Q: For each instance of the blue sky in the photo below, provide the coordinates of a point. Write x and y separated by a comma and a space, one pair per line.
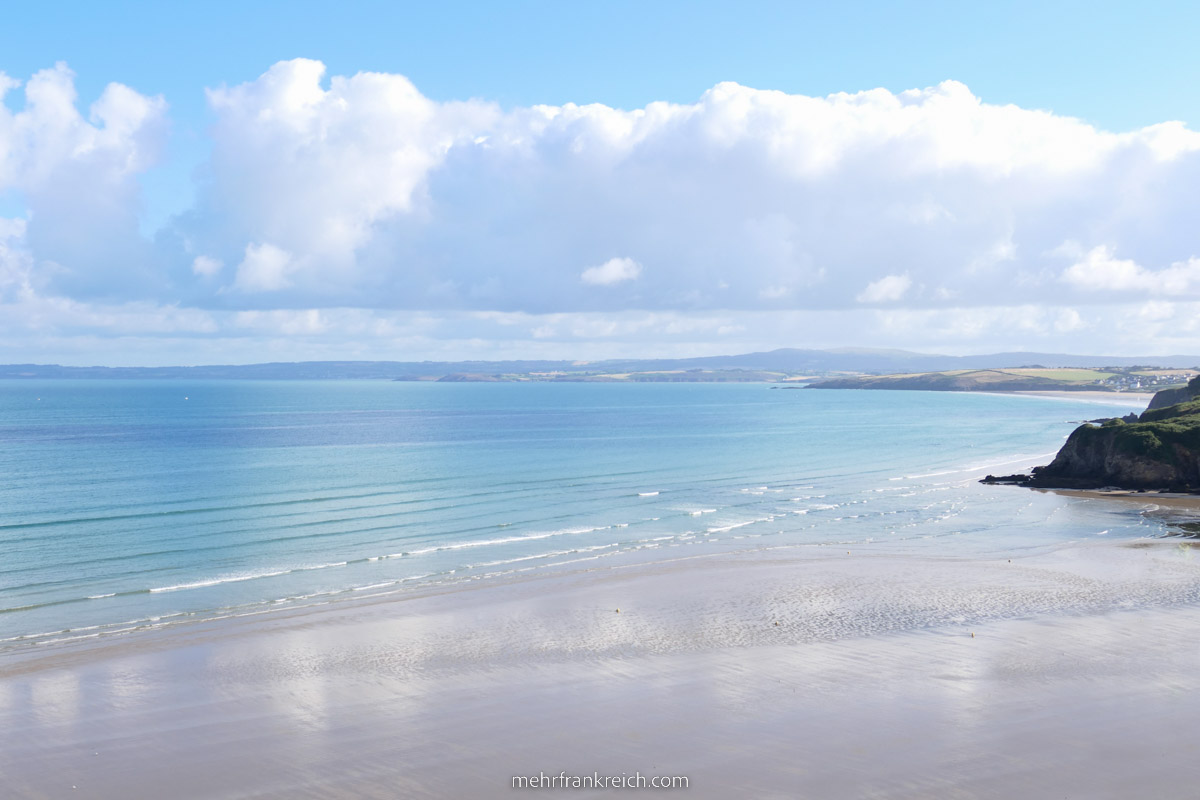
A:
1118, 65
466, 258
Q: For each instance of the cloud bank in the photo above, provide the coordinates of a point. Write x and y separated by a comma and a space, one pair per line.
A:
751, 217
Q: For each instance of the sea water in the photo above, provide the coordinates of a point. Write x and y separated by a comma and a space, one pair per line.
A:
127, 505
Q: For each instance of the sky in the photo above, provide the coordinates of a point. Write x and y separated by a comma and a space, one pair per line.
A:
215, 183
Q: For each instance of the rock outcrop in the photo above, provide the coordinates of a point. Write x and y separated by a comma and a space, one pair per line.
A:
1160, 451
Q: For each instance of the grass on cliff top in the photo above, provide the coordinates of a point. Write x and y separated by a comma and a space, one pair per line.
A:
1182, 413
988, 379
1070, 375
1155, 435
1001, 375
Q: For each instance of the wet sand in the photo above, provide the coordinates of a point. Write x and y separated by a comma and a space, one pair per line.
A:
1064, 673
1190, 502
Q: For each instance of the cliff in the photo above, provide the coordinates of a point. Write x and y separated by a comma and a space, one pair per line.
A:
1170, 397
1161, 450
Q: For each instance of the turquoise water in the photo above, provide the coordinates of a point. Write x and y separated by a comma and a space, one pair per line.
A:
133, 504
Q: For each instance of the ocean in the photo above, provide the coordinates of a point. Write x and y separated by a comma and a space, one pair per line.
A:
132, 505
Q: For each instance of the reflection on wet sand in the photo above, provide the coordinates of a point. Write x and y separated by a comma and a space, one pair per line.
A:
896, 676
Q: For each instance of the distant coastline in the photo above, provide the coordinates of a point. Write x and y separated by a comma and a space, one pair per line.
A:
1113, 379
850, 368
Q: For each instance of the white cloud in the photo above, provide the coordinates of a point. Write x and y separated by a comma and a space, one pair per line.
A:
265, 268
615, 270
1156, 311
306, 322
14, 258
332, 194
1099, 270
121, 137
746, 198
888, 289
78, 178
206, 266
1069, 320
315, 168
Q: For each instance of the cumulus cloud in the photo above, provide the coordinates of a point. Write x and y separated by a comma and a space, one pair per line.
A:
888, 289
1069, 320
1101, 271
615, 270
15, 261
315, 169
78, 178
877, 211
747, 198
206, 266
264, 268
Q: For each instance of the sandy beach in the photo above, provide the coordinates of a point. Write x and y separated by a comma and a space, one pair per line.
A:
794, 672
1132, 399
1169, 500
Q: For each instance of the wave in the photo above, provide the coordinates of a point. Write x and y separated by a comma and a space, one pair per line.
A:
248, 576
734, 526
530, 537
217, 581
1021, 459
550, 554
172, 512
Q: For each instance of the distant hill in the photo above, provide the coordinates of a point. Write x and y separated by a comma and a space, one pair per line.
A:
1022, 379
983, 380
771, 365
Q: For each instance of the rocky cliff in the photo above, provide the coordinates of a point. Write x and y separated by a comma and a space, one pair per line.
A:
1170, 397
1160, 451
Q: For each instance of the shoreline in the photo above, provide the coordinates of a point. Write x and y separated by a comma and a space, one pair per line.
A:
1168, 499
450, 693
1113, 398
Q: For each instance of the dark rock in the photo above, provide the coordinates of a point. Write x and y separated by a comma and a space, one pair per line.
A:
1018, 479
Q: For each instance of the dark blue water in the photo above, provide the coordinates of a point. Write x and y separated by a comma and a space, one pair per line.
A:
131, 504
